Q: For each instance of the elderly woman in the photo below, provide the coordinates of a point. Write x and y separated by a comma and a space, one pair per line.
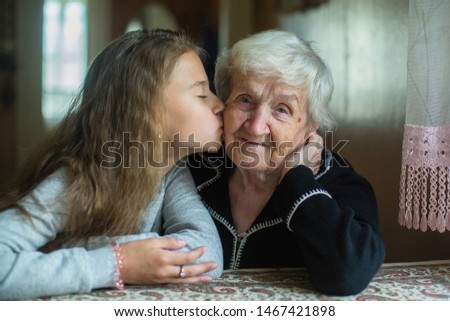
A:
283, 200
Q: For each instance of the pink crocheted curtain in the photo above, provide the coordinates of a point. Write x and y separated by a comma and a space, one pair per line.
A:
425, 172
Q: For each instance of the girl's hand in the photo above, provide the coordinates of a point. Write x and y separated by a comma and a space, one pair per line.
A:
154, 261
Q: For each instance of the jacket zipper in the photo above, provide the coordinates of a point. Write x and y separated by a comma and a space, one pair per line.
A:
238, 250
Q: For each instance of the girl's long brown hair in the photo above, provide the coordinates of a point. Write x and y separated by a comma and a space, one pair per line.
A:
122, 95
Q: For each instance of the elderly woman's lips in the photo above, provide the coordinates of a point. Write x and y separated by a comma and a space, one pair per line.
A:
253, 143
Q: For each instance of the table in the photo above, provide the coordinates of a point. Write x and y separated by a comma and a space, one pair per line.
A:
399, 281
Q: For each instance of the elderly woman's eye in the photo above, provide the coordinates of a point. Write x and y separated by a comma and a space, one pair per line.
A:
282, 110
244, 99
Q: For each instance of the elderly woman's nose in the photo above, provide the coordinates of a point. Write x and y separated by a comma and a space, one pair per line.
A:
257, 123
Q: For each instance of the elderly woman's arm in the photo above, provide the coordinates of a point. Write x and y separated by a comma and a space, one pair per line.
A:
335, 222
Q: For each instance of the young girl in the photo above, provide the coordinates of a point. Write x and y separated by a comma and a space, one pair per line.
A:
107, 183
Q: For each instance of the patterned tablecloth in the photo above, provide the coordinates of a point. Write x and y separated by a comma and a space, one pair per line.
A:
409, 281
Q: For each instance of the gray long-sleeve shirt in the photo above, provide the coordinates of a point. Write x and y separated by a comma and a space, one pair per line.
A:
175, 211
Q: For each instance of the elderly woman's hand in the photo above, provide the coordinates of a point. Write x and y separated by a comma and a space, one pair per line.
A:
309, 155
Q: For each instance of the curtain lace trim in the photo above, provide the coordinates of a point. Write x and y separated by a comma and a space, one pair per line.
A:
425, 179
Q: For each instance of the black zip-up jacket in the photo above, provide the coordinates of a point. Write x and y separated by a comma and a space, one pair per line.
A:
327, 223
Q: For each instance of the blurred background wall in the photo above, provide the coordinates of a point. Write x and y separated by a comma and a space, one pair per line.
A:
364, 43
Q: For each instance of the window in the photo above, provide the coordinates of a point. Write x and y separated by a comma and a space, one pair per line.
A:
64, 55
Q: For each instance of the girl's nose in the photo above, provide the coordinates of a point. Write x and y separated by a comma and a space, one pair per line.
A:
219, 106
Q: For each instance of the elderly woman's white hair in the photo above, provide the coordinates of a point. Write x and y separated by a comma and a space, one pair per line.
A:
283, 55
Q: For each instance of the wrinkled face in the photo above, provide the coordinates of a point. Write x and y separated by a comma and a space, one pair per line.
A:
264, 121
193, 112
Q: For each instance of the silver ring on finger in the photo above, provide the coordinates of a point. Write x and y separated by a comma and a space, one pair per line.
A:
182, 274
